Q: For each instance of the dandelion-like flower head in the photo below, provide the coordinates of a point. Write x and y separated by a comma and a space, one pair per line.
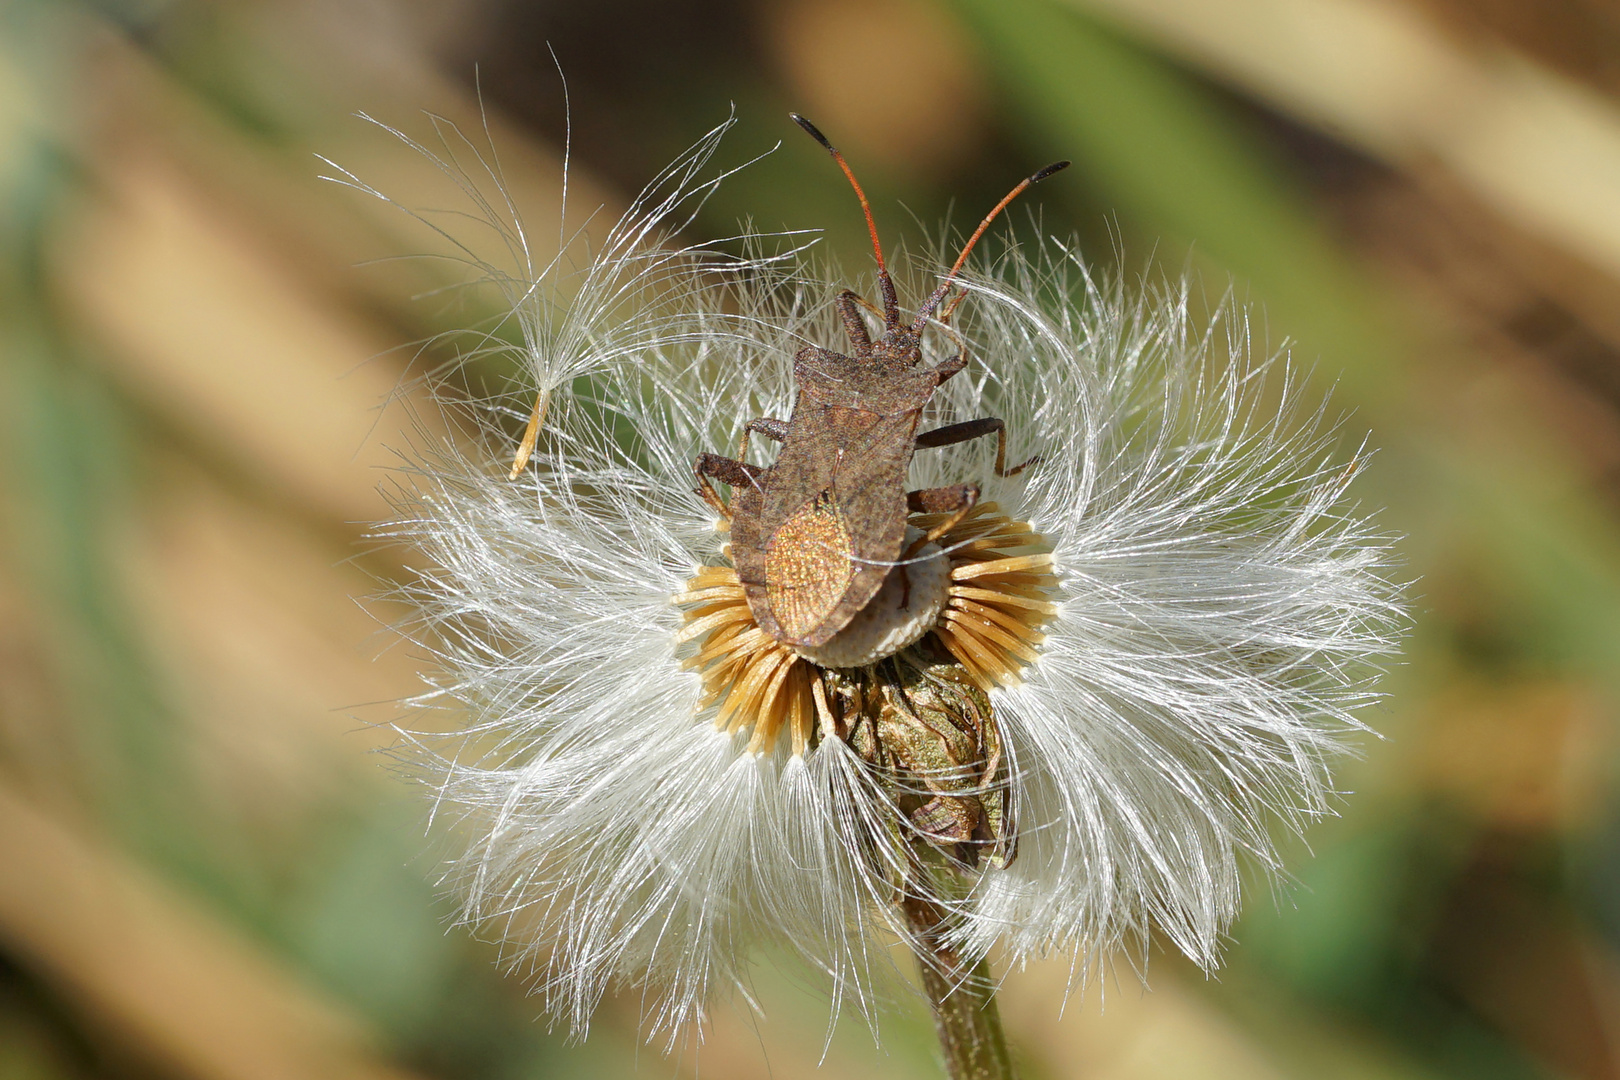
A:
1149, 648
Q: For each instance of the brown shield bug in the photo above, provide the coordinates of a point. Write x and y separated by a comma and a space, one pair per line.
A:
814, 535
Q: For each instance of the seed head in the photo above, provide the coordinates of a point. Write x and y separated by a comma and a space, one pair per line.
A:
1140, 659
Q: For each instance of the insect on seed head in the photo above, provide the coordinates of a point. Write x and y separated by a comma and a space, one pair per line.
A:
817, 533
1198, 663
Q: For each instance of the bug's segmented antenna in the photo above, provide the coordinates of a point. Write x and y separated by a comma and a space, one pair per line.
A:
891, 301
933, 301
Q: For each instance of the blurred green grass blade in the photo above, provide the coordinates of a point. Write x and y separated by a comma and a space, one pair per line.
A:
1177, 164
366, 922
65, 452
71, 455
1158, 149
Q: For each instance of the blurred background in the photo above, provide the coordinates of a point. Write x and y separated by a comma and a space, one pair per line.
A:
205, 869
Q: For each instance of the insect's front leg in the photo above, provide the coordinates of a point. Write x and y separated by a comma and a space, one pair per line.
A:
732, 473
946, 368
951, 434
854, 325
766, 426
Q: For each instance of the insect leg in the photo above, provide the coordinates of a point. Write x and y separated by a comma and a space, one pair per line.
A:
771, 429
946, 368
951, 434
733, 473
867, 304
955, 500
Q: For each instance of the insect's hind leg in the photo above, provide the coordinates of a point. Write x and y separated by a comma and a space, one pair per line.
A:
734, 474
957, 500
951, 434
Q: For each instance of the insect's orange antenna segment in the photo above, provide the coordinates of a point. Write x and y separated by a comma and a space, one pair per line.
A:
891, 302
945, 286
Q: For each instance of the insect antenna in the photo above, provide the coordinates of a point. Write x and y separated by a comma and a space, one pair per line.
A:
945, 286
891, 302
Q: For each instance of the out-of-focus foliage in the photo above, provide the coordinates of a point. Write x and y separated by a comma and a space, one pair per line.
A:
204, 375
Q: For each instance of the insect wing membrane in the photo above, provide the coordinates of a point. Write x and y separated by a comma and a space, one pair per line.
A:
808, 567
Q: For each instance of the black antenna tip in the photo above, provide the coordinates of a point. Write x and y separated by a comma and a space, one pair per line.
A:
814, 132
1055, 167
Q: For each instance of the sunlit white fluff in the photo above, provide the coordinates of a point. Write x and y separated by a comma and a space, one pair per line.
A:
1220, 603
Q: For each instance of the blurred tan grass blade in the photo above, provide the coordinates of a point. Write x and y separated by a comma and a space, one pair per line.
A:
1171, 1032
254, 620
1537, 147
220, 275
194, 994
211, 332
345, 244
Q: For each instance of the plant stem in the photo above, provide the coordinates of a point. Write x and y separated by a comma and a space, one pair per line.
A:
964, 1002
